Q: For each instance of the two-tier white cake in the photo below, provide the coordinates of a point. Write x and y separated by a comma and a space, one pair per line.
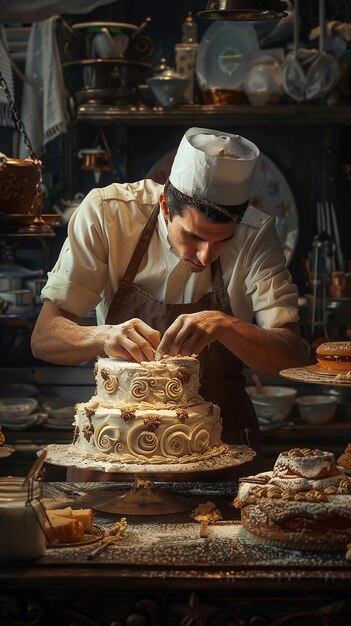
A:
148, 412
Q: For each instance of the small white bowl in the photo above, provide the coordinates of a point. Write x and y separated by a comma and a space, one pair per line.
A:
317, 409
16, 408
274, 405
60, 408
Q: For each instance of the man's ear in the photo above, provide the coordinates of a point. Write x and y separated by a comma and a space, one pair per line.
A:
164, 206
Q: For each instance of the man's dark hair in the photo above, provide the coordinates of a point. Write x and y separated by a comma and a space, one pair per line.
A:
177, 202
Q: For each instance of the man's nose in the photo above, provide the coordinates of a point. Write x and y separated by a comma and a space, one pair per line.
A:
205, 254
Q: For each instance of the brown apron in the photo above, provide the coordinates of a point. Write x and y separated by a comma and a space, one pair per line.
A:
221, 381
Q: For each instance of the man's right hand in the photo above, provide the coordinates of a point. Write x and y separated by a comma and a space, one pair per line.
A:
132, 340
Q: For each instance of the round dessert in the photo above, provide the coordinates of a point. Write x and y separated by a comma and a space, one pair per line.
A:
335, 356
306, 463
344, 460
294, 507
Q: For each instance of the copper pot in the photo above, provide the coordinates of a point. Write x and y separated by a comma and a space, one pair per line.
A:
19, 185
96, 160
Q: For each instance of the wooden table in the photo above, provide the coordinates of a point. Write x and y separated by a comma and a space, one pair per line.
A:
162, 573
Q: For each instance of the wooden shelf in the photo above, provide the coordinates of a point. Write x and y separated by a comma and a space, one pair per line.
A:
233, 115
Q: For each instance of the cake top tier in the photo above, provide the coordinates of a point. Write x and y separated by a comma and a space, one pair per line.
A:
171, 380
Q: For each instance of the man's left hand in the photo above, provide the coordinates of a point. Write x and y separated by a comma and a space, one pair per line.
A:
190, 334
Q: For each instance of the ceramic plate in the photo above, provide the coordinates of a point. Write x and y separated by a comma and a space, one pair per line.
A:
271, 193
306, 375
223, 54
92, 25
96, 535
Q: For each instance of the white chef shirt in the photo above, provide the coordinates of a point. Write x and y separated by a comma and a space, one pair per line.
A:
104, 232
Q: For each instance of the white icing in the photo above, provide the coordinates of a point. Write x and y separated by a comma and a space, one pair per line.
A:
153, 381
149, 412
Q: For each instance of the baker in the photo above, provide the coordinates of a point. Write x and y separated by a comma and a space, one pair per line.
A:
189, 267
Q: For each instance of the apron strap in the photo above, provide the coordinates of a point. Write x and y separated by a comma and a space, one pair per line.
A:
141, 247
216, 274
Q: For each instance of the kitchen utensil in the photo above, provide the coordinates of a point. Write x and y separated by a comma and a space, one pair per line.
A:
259, 387
309, 74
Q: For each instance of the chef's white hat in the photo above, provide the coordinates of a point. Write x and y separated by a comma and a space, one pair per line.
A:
214, 165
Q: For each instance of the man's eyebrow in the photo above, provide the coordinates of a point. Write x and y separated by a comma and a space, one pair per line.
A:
189, 232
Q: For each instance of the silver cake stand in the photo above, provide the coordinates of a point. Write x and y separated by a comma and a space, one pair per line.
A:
143, 498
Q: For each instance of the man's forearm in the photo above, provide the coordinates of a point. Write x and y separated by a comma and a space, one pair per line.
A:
64, 342
264, 350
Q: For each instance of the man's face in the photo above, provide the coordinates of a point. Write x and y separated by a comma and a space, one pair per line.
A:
195, 239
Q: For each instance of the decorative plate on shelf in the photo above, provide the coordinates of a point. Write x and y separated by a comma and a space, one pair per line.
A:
223, 54
271, 193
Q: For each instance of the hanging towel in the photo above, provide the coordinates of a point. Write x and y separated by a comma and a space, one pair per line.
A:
44, 112
6, 71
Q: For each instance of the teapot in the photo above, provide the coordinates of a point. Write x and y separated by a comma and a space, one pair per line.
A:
167, 85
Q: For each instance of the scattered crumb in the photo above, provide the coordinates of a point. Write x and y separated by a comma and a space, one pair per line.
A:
206, 513
118, 530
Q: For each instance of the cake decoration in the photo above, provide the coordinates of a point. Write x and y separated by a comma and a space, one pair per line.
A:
149, 412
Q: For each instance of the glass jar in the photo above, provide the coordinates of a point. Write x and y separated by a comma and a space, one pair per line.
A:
21, 535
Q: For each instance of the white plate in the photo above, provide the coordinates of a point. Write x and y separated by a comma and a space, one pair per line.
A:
223, 55
56, 426
31, 420
18, 390
271, 193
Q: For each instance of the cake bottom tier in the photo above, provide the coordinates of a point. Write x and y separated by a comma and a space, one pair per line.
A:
137, 433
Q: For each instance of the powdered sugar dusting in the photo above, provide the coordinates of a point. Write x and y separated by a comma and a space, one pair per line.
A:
68, 456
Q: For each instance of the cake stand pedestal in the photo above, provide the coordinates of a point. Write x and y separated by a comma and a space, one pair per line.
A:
143, 498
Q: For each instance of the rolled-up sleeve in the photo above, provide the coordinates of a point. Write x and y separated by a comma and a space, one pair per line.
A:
268, 283
77, 280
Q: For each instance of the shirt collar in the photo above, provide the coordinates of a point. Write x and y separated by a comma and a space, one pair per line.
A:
163, 232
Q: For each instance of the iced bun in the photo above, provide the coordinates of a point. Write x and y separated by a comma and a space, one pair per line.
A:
335, 355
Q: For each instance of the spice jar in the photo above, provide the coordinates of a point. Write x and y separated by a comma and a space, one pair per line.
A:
21, 534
